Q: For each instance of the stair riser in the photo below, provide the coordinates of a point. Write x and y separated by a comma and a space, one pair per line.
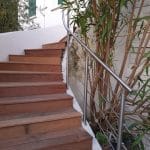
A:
47, 53
41, 60
43, 127
55, 45
30, 67
31, 90
82, 145
34, 107
29, 77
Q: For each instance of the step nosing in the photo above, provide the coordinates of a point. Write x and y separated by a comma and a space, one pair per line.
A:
33, 99
48, 57
42, 49
25, 84
28, 72
27, 63
38, 119
53, 136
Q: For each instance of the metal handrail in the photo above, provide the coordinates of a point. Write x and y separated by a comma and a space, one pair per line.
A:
95, 57
92, 54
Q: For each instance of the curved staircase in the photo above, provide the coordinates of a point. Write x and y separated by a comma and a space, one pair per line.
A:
35, 111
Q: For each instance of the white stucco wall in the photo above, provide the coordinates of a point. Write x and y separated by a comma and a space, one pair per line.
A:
16, 42
44, 16
51, 30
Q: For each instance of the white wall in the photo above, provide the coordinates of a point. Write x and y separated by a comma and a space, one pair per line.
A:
45, 17
16, 42
51, 30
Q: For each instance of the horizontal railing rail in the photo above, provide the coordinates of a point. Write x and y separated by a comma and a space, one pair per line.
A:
90, 51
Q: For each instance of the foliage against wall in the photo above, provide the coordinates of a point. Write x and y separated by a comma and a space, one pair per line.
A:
9, 15
15, 15
109, 19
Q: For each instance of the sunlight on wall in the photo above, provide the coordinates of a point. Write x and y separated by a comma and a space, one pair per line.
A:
45, 17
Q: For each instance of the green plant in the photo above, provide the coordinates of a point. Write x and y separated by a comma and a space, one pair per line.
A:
14, 15
133, 142
107, 21
9, 15
141, 104
102, 139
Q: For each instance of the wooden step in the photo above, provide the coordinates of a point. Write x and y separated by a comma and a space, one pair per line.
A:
35, 59
32, 104
58, 45
29, 76
13, 126
29, 67
44, 52
64, 39
74, 139
35, 111
8, 89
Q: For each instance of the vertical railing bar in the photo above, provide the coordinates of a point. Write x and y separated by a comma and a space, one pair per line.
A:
67, 51
119, 142
85, 89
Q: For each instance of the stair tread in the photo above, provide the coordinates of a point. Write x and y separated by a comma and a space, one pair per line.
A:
28, 63
29, 118
57, 45
33, 98
39, 49
35, 59
23, 66
46, 139
18, 84
26, 72
44, 52
26, 56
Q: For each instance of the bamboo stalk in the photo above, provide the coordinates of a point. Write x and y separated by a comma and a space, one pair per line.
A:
140, 53
146, 64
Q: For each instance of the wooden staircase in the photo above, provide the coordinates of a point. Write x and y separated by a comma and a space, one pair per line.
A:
35, 111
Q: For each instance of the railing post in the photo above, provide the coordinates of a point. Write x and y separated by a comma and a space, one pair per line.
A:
85, 88
119, 142
67, 51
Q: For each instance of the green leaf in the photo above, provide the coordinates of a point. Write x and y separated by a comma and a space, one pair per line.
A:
122, 3
138, 140
133, 125
147, 55
147, 70
134, 92
101, 138
142, 18
142, 146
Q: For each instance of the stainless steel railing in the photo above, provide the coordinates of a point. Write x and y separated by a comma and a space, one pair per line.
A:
90, 53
